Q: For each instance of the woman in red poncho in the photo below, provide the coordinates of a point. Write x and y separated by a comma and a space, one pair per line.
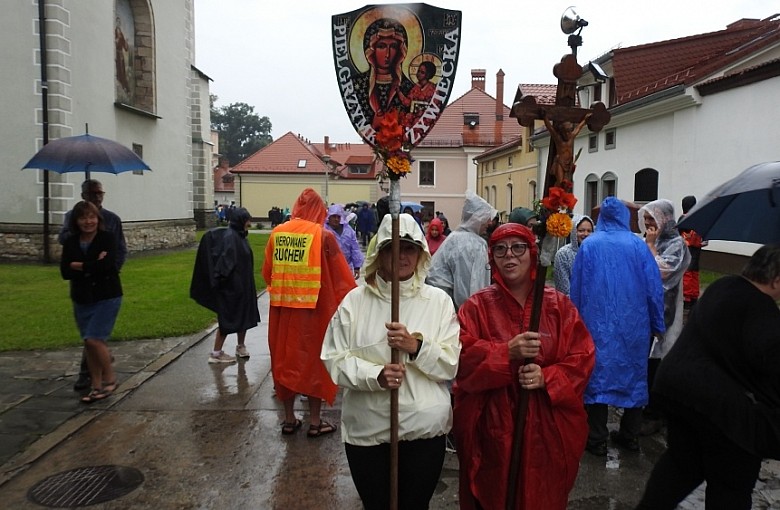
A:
494, 323
307, 277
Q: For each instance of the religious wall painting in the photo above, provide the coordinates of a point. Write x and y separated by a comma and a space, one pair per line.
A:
396, 61
124, 52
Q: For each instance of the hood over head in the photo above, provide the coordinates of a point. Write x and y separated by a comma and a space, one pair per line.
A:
436, 222
575, 222
508, 230
687, 203
309, 206
662, 210
476, 212
238, 218
337, 210
410, 232
613, 215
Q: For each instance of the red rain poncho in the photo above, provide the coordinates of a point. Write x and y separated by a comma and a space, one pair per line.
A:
487, 394
295, 334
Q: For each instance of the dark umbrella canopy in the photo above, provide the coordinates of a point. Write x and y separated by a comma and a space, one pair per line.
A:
86, 153
745, 208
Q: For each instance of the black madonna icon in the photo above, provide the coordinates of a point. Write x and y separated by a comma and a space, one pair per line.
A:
397, 60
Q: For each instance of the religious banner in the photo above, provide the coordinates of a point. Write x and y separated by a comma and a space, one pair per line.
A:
395, 67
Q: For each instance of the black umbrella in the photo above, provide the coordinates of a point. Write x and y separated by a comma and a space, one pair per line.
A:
746, 208
86, 153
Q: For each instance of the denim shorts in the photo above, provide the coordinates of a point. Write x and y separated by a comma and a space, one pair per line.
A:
96, 320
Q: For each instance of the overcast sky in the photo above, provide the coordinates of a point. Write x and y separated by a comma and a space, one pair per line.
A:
277, 56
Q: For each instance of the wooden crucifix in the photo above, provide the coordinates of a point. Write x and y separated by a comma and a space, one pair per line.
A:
564, 121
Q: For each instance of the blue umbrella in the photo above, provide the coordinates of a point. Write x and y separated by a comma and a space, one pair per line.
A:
86, 153
413, 205
745, 208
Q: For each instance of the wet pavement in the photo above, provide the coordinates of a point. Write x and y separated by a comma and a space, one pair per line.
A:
207, 436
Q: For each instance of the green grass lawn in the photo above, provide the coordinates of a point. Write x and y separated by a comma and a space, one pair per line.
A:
37, 310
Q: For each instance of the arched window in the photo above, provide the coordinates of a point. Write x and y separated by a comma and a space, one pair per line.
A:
646, 185
134, 55
509, 197
531, 192
493, 196
591, 193
608, 185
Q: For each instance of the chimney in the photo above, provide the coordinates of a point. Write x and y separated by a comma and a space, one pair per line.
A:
327, 144
478, 79
498, 130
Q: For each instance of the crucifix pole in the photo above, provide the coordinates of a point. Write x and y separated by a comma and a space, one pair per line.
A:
564, 121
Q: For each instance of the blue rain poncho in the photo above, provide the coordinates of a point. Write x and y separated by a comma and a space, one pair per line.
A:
460, 265
616, 287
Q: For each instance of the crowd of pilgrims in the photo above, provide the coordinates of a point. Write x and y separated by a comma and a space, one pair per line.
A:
623, 326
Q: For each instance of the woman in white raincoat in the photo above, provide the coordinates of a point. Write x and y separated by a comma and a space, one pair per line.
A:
356, 352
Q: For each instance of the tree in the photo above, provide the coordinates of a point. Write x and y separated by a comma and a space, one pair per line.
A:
241, 131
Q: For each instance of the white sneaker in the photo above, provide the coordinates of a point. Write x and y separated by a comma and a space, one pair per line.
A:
241, 351
222, 357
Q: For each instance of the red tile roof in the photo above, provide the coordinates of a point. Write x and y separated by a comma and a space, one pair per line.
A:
450, 129
285, 153
642, 70
544, 94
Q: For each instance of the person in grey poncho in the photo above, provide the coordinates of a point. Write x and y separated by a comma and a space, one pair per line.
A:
564, 259
657, 222
460, 266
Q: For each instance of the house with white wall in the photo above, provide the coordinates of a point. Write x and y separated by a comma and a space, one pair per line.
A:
687, 115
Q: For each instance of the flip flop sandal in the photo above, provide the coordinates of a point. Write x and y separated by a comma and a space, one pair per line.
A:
321, 429
289, 429
94, 396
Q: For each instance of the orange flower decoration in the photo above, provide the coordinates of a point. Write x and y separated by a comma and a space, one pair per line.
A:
559, 225
390, 135
559, 200
389, 146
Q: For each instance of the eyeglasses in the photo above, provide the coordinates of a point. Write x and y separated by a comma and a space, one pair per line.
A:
517, 249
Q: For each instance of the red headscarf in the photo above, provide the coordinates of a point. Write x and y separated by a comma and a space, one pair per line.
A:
508, 230
310, 206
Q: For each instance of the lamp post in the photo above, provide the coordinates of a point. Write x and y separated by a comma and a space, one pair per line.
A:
326, 160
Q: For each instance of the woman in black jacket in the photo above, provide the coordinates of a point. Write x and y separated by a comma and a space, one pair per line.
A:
89, 262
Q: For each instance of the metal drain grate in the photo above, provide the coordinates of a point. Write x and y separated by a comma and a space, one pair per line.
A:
85, 486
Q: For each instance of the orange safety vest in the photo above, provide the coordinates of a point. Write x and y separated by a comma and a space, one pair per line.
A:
296, 271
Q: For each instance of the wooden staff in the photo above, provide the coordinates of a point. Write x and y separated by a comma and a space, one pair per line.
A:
524, 395
395, 288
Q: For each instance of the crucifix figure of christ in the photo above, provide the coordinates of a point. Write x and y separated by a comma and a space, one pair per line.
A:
564, 121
